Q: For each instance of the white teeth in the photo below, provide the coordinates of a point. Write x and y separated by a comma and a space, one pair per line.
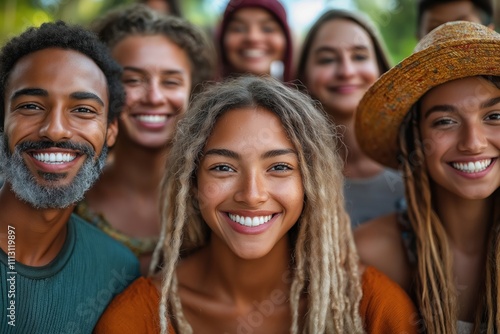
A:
253, 53
151, 118
472, 167
250, 222
54, 158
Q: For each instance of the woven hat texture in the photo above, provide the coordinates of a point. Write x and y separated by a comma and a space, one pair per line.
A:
452, 51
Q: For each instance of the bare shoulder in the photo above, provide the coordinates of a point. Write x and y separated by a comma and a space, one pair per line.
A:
380, 245
382, 231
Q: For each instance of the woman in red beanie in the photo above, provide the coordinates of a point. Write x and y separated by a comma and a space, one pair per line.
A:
254, 38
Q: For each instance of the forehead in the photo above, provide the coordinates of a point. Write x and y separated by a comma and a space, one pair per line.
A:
156, 51
252, 14
249, 129
59, 72
342, 33
451, 11
465, 92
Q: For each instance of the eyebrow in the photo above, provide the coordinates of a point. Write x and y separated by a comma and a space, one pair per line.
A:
490, 102
43, 92
142, 71
449, 108
86, 96
440, 108
237, 156
333, 49
30, 92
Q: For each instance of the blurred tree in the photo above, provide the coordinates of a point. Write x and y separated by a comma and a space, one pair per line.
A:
396, 20
17, 15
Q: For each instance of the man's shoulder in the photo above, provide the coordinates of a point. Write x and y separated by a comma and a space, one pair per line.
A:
95, 241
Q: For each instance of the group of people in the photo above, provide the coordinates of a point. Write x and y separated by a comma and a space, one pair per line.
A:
155, 182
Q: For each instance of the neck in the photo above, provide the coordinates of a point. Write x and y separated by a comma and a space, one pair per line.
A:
357, 164
248, 281
39, 233
467, 222
141, 169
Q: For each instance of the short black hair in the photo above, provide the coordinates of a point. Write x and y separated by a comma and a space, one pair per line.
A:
485, 8
71, 37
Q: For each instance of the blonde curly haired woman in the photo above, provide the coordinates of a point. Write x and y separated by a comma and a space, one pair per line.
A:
437, 116
254, 236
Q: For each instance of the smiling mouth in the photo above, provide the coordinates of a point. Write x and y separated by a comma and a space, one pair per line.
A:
250, 221
155, 119
54, 158
253, 53
472, 167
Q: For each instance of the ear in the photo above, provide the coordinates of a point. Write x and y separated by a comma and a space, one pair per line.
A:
112, 132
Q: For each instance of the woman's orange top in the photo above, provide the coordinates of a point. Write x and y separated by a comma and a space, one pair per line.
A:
384, 308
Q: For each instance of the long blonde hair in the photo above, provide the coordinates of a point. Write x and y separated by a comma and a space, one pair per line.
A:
325, 263
435, 288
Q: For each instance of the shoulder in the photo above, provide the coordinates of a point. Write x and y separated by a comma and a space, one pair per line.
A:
135, 310
379, 244
102, 250
88, 233
385, 307
382, 232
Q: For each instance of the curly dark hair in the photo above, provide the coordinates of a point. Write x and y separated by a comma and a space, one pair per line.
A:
140, 20
71, 37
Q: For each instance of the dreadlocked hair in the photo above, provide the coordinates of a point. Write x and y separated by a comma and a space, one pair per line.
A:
435, 287
324, 259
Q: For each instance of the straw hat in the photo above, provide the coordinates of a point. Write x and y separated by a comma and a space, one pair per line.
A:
452, 51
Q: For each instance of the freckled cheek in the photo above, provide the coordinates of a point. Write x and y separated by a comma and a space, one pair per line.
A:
179, 99
290, 193
212, 192
133, 96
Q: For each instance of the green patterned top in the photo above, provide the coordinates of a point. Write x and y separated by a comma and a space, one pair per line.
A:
138, 246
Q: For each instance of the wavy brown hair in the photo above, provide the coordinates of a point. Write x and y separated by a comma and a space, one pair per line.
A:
140, 20
435, 289
324, 259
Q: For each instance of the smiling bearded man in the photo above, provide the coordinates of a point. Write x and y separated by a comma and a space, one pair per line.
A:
43, 197
60, 94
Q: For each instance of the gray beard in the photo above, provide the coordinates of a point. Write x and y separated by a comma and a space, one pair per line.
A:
24, 184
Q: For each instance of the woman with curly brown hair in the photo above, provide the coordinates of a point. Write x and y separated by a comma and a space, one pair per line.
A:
165, 59
436, 115
254, 235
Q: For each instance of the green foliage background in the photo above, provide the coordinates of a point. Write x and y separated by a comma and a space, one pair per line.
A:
395, 18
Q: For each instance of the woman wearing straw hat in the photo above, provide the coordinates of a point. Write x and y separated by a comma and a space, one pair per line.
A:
436, 115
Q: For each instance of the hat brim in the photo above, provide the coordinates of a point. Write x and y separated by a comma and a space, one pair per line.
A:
384, 106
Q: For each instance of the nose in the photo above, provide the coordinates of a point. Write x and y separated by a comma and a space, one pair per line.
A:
472, 139
55, 125
154, 93
346, 68
253, 34
252, 190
